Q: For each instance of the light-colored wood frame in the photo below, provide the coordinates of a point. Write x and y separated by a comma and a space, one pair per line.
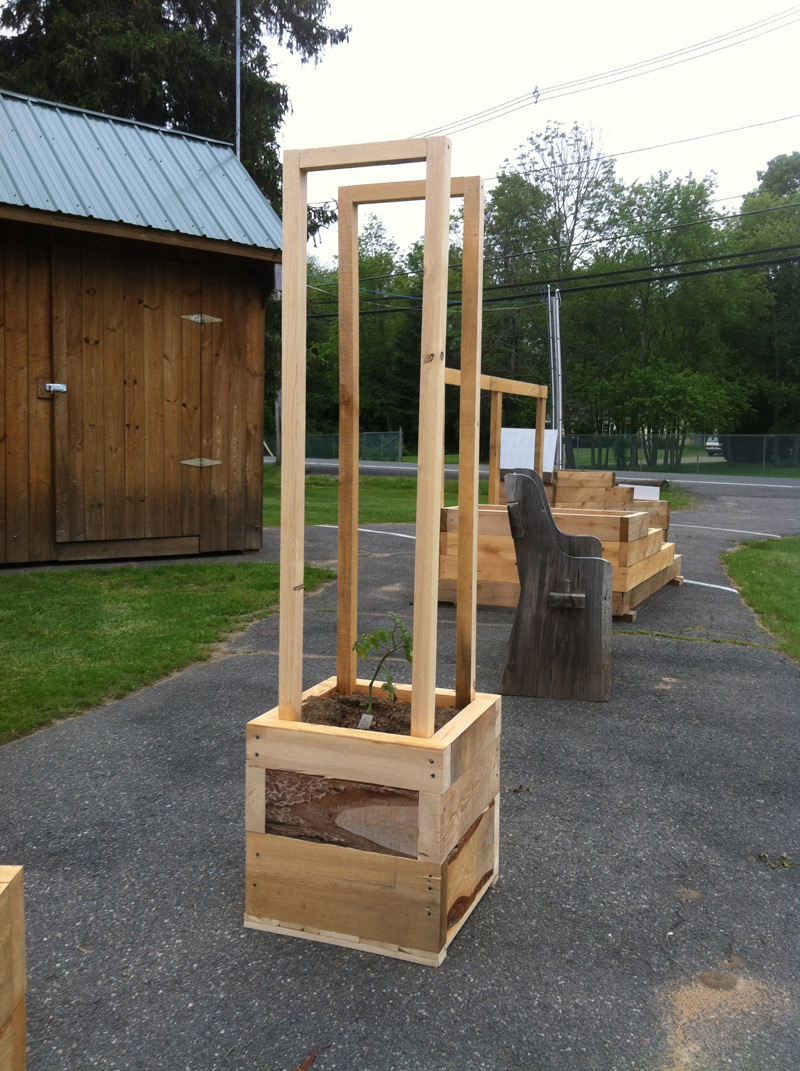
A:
436, 190
12, 969
498, 387
350, 198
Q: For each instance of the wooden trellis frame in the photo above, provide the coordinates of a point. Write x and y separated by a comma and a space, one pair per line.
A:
472, 192
498, 387
415, 843
436, 190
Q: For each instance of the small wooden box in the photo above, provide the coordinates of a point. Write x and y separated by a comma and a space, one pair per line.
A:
12, 970
381, 842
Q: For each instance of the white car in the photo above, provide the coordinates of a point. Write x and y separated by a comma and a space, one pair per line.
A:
713, 448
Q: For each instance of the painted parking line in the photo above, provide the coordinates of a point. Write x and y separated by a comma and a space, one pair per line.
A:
713, 482
717, 587
732, 531
374, 531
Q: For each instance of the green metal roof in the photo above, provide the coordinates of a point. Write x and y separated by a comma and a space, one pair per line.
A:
81, 163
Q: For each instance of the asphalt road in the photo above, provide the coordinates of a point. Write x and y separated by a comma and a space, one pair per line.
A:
641, 920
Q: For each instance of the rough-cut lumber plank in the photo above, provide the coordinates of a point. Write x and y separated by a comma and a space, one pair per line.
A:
376, 152
557, 652
191, 442
12, 942
468, 734
502, 386
444, 820
572, 478
595, 497
134, 271
41, 529
232, 414
347, 575
93, 360
12, 1040
469, 436
431, 434
634, 575
429, 959
624, 554
17, 404
153, 459
293, 446
624, 601
87, 225
348, 753
3, 394
255, 789
386, 192
538, 446
490, 593
353, 814
114, 400
127, 548
381, 898
619, 525
659, 513
254, 514
495, 423
470, 869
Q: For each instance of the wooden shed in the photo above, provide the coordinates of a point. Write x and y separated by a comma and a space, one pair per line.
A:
135, 266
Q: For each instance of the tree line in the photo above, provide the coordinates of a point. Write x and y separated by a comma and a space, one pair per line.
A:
675, 316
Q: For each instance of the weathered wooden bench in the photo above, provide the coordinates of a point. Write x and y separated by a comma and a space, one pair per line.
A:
560, 644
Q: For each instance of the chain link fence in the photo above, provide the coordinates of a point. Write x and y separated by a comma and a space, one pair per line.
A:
372, 445
714, 454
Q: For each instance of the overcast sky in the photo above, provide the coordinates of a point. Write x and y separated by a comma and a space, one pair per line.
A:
413, 65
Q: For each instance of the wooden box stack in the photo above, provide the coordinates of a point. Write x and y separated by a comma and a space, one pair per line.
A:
633, 534
381, 842
12, 970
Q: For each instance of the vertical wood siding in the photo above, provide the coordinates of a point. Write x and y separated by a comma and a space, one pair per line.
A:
146, 391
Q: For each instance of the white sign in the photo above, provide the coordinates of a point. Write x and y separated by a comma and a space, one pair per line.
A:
517, 447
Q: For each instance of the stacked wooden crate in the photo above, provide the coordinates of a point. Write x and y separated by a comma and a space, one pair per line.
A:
12, 970
633, 533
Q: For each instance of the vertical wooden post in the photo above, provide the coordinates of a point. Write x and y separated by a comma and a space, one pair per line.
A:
347, 580
431, 434
468, 448
293, 446
538, 450
495, 425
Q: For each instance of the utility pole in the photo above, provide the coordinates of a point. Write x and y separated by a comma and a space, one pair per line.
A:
554, 338
238, 80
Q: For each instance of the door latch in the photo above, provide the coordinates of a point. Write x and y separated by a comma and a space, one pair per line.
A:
56, 388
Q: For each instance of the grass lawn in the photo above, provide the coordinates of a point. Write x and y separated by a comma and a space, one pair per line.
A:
71, 639
767, 573
383, 499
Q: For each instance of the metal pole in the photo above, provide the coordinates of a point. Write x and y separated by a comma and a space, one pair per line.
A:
559, 462
553, 375
238, 81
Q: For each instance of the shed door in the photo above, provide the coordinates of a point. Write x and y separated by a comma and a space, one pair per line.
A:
130, 415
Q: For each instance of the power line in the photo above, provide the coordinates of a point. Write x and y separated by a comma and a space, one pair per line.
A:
780, 20
660, 278
601, 238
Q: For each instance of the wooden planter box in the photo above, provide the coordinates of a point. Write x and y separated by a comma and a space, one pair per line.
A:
12, 970
381, 842
642, 562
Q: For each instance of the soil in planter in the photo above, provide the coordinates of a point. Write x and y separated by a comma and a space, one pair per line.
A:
345, 711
